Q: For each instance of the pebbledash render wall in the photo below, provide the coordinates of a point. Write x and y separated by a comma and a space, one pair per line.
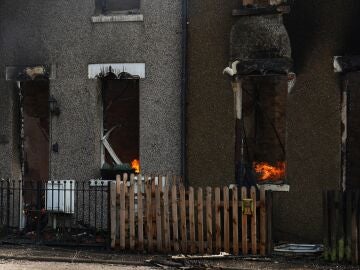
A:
62, 33
318, 30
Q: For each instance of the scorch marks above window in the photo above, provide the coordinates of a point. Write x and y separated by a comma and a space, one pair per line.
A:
121, 6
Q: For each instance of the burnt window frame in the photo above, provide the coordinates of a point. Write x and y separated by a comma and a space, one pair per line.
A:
102, 6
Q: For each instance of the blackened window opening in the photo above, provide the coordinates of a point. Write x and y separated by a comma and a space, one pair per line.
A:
123, 6
264, 129
121, 113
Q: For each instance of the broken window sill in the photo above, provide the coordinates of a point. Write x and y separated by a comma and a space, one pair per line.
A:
117, 18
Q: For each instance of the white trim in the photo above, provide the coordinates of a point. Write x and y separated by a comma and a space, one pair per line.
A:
117, 18
274, 187
135, 69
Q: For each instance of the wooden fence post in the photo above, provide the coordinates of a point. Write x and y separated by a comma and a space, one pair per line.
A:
244, 221
183, 219
174, 212
192, 220
262, 222
200, 213
158, 216
132, 212
149, 222
253, 222
122, 215
217, 221
209, 220
166, 218
235, 220
140, 216
226, 220
269, 213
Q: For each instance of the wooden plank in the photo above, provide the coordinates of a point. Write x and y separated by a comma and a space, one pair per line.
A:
262, 222
192, 220
333, 228
183, 219
122, 216
235, 220
200, 223
326, 226
354, 230
217, 221
226, 220
174, 213
118, 180
161, 182
166, 218
244, 225
113, 213
269, 230
140, 216
125, 179
340, 226
153, 213
132, 212
149, 230
158, 217
253, 223
209, 220
348, 225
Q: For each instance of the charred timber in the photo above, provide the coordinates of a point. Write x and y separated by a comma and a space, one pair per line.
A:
263, 67
268, 10
347, 63
29, 73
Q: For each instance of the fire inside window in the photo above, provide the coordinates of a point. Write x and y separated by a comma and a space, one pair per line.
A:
129, 6
121, 124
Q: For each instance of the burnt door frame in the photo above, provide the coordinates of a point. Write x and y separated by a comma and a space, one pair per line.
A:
22, 129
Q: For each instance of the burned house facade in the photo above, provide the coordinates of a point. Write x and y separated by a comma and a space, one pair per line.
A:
310, 113
89, 86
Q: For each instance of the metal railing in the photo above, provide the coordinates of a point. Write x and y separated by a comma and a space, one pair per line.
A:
65, 212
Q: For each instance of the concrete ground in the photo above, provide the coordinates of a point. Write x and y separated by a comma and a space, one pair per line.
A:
29, 265
47, 258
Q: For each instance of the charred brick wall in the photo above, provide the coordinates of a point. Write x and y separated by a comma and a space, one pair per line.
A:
318, 31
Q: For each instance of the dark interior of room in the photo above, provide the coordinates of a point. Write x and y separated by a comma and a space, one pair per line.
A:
121, 110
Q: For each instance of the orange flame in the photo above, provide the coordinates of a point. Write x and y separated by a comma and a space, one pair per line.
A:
135, 164
268, 172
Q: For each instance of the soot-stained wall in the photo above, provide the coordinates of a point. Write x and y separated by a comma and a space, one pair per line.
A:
62, 33
318, 30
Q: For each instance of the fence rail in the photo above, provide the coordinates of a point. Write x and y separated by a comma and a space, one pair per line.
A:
341, 221
158, 216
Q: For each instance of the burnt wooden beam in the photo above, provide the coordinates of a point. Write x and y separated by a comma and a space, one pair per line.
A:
263, 67
28, 73
343, 64
261, 10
